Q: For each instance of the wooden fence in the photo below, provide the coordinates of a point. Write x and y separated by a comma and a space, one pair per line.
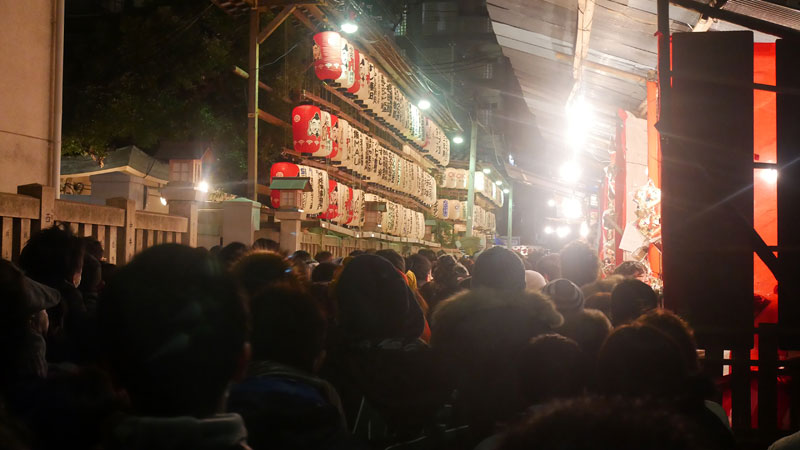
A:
120, 228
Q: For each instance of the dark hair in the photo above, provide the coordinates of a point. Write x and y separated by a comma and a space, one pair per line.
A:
52, 256
579, 263
589, 328
288, 327
231, 253
173, 325
630, 299
324, 272
393, 257
499, 268
551, 366
421, 266
600, 301
428, 253
323, 256
640, 361
603, 285
591, 423
266, 244
355, 253
676, 328
549, 266
631, 269
93, 247
301, 256
258, 270
91, 275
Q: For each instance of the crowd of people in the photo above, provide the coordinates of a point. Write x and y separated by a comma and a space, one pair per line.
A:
247, 347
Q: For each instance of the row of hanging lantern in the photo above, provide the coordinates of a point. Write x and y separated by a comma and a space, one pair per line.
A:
338, 61
345, 205
458, 179
446, 209
324, 135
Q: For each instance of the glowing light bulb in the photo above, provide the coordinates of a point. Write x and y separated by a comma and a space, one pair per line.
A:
487, 171
424, 104
769, 175
506, 191
584, 230
163, 201
457, 139
498, 182
551, 203
563, 231
202, 186
570, 172
349, 27
548, 230
571, 208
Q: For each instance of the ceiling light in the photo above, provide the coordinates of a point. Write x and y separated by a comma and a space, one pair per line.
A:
548, 230
487, 171
498, 182
457, 139
202, 186
424, 104
349, 27
571, 208
570, 172
506, 191
551, 203
563, 231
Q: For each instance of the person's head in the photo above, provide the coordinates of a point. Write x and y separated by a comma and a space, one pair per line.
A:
641, 361
551, 367
174, 328
534, 280
91, 275
232, 253
355, 253
499, 268
323, 257
579, 263
676, 328
603, 285
53, 256
393, 257
267, 245
589, 328
630, 299
94, 247
596, 423
259, 270
600, 301
428, 253
288, 328
549, 266
632, 269
421, 266
301, 256
324, 272
467, 262
567, 297
375, 303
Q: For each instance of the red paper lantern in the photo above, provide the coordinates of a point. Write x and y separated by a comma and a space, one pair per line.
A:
357, 61
279, 170
336, 136
328, 55
349, 207
307, 128
333, 202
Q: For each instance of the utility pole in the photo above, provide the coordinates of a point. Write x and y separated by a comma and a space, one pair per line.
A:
252, 106
473, 153
510, 213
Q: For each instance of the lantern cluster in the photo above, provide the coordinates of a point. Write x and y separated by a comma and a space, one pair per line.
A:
359, 154
456, 210
398, 220
459, 178
337, 61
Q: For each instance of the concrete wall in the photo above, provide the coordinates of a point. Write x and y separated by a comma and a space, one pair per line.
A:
27, 92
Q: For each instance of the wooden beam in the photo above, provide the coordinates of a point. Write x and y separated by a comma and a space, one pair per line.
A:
275, 23
300, 16
243, 73
272, 120
753, 23
582, 35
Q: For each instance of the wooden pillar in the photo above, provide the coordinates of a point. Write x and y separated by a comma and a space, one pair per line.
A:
186, 209
47, 199
252, 105
126, 235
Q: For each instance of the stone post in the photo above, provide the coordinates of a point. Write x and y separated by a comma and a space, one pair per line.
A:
291, 231
241, 218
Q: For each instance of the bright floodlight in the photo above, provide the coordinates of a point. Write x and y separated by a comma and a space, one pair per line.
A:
571, 208
163, 201
498, 182
580, 119
769, 175
551, 203
584, 230
202, 186
506, 191
563, 231
424, 104
548, 230
457, 139
349, 27
570, 172
487, 171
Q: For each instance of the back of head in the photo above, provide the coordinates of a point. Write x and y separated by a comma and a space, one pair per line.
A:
428, 253
323, 256
631, 269
600, 301
393, 257
579, 263
589, 328
603, 285
551, 366
499, 268
267, 245
534, 280
232, 253
173, 325
53, 256
288, 328
565, 294
301, 256
324, 272
258, 270
421, 266
600, 424
630, 299
91, 275
640, 361
93, 247
676, 328
375, 303
549, 266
